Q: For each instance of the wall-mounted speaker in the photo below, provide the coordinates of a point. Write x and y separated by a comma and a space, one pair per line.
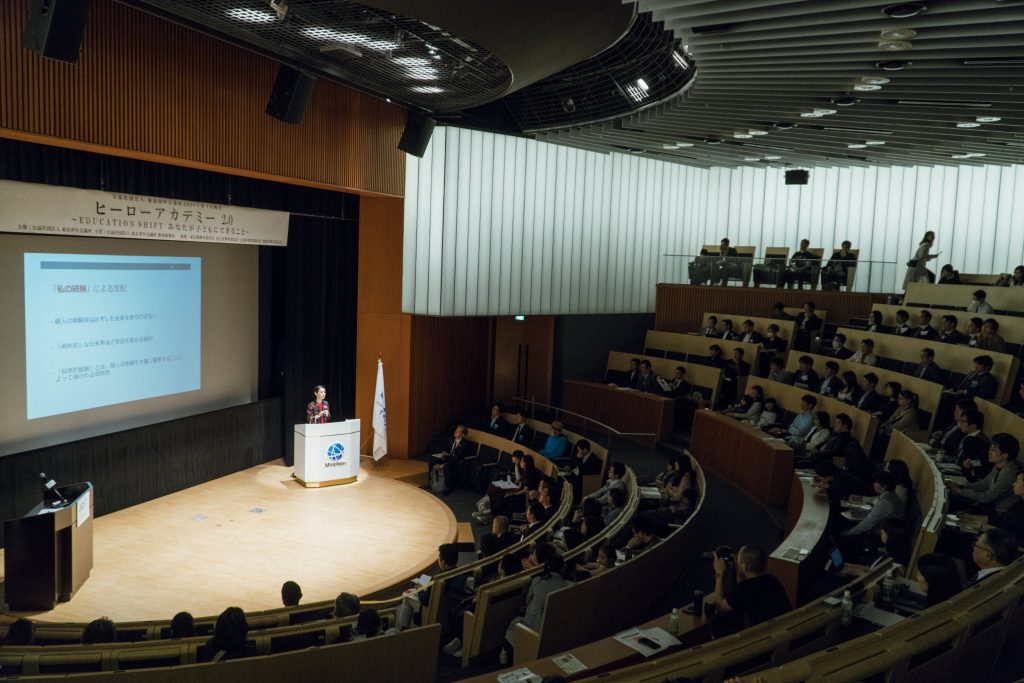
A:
416, 136
54, 28
797, 177
292, 90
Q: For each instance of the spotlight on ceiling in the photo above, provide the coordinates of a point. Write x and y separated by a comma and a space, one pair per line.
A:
898, 34
987, 119
892, 65
845, 101
874, 80
905, 10
894, 45
968, 124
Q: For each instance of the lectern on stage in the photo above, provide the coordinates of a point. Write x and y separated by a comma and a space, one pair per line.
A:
327, 454
49, 551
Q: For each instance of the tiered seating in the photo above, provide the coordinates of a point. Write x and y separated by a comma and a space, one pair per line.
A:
1005, 300
1011, 327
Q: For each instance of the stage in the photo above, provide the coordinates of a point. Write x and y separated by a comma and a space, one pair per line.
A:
235, 540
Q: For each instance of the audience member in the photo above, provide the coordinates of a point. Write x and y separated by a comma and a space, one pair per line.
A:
710, 328
1012, 520
802, 423
866, 354
771, 345
770, 415
875, 324
904, 419
806, 377
949, 275
510, 564
677, 387
836, 273
368, 626
183, 625
928, 369
756, 597
748, 335
779, 312
838, 348
644, 536
497, 424
808, 446
948, 334
542, 585
938, 577
995, 491
617, 503
974, 326
100, 630
715, 358
842, 444
520, 431
903, 485
778, 372
1017, 280
870, 400
850, 391
891, 394
949, 439
801, 266
807, 326
990, 339
902, 328
556, 445
838, 485
1016, 403
887, 504
447, 463
972, 450
993, 550
924, 329
895, 543
830, 381
230, 638
616, 471
980, 383
21, 632
726, 333
456, 590
290, 594
979, 304
346, 605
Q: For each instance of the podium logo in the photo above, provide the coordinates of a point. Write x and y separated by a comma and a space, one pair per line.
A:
335, 451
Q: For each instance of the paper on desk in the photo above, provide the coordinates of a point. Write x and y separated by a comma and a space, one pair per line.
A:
569, 663
522, 675
504, 484
871, 613
631, 639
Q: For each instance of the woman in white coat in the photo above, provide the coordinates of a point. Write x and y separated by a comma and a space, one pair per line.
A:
918, 272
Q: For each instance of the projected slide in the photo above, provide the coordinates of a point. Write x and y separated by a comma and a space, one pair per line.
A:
101, 330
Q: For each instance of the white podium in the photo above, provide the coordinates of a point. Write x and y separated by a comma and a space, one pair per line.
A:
327, 454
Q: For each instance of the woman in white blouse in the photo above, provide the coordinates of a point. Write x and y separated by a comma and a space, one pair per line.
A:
918, 272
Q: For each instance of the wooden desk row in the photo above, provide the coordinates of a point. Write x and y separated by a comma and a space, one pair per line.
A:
864, 424
1000, 298
949, 357
797, 557
929, 393
673, 346
787, 328
929, 491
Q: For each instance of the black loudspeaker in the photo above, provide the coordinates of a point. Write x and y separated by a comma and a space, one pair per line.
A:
798, 177
54, 28
291, 94
416, 136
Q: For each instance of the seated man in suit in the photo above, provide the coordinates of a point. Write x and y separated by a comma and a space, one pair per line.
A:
990, 339
701, 268
519, 430
582, 462
778, 372
801, 264
974, 326
771, 345
616, 471
870, 401
711, 328
830, 382
806, 377
902, 327
924, 329
948, 439
836, 272
995, 491
928, 369
948, 334
677, 387
725, 264
448, 462
726, 333
842, 444
715, 358
808, 325
497, 425
972, 450
838, 348
748, 334
887, 505
779, 312
980, 383
866, 355
993, 550
646, 381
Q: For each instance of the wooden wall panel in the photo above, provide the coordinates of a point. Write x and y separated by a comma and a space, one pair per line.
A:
150, 89
449, 366
529, 374
680, 308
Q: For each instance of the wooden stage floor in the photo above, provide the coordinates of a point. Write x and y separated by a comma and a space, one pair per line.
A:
235, 540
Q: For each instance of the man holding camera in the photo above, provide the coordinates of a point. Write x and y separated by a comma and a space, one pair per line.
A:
756, 596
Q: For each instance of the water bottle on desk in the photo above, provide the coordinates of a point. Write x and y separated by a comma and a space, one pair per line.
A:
846, 609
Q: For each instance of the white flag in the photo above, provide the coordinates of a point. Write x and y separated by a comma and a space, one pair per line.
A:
380, 416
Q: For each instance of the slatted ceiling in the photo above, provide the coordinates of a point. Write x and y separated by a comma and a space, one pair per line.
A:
149, 89
774, 60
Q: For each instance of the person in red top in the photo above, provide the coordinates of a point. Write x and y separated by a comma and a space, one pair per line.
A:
317, 411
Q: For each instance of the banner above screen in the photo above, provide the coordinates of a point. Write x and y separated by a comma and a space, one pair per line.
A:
54, 210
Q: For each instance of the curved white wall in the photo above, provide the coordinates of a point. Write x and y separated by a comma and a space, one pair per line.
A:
500, 225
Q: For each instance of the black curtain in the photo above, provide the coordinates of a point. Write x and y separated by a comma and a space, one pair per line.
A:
307, 310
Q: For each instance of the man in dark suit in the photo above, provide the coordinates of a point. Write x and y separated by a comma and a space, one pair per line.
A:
948, 334
520, 431
732, 373
927, 369
726, 262
749, 335
448, 462
835, 274
842, 444
949, 438
830, 383
870, 401
980, 383
838, 348
902, 327
711, 329
497, 425
726, 333
807, 325
924, 326
647, 381
806, 377
994, 549
779, 312
972, 453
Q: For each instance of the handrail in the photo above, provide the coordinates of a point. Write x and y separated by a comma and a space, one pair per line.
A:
531, 400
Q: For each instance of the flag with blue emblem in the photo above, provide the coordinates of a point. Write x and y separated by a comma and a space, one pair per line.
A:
380, 416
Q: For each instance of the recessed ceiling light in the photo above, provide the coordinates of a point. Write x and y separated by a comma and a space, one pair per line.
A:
350, 37
412, 61
975, 154
751, 158
752, 131
874, 142
771, 157
905, 10
866, 87
636, 92
422, 73
856, 146
742, 136
892, 65
987, 119
960, 156
968, 124
427, 89
874, 80
253, 16
844, 101
670, 146
684, 144
824, 112
783, 125
713, 141
811, 115
898, 34
895, 45
642, 84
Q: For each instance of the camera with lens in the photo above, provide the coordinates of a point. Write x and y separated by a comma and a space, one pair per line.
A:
724, 552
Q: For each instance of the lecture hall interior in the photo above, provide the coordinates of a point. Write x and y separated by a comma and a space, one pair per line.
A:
589, 340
